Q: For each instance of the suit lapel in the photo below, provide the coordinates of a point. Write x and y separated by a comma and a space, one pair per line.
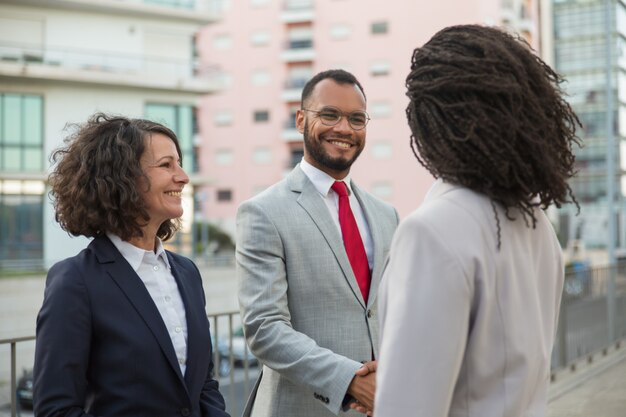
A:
133, 288
313, 204
377, 235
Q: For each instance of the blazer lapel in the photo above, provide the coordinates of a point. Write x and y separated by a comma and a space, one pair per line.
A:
134, 289
313, 204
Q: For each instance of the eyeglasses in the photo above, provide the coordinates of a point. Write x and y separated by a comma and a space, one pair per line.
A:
330, 116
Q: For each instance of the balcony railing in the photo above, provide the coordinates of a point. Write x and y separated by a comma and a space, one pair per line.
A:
88, 61
297, 11
298, 4
196, 12
296, 83
183, 4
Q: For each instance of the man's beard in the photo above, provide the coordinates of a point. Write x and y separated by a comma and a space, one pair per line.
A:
316, 151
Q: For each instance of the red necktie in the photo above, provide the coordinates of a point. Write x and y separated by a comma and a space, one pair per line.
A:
352, 240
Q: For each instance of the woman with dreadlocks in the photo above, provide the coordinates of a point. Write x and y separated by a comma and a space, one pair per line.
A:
471, 293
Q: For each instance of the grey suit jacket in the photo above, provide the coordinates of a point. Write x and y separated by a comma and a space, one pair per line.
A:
303, 313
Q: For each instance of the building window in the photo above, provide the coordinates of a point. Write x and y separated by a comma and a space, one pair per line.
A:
224, 157
21, 133
222, 42
224, 195
381, 150
261, 77
340, 31
260, 38
21, 220
182, 120
382, 190
379, 28
300, 37
295, 157
223, 118
225, 79
290, 123
380, 68
261, 116
380, 109
262, 156
183, 4
297, 76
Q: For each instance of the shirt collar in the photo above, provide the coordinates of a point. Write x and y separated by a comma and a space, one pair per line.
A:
321, 180
134, 255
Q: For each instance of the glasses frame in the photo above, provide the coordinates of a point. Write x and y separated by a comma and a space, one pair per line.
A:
343, 114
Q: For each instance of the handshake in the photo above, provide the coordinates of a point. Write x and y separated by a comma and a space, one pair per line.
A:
363, 388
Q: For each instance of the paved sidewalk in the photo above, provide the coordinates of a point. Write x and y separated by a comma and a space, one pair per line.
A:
596, 389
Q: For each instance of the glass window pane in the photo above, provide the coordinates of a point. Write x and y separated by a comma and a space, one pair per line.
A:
33, 159
33, 120
12, 119
185, 128
1, 120
21, 227
162, 113
12, 158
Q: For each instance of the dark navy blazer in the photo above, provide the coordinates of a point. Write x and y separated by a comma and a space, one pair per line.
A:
102, 347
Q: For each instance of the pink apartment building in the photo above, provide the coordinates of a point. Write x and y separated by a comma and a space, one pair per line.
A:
267, 49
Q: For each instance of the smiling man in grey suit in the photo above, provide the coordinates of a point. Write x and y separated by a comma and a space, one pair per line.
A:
310, 252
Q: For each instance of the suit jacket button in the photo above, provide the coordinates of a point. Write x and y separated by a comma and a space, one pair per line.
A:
326, 400
370, 314
184, 412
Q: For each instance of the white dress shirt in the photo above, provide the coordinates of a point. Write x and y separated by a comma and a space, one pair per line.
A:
323, 183
155, 272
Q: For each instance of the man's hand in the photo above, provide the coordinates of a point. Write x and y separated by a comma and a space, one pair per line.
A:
363, 388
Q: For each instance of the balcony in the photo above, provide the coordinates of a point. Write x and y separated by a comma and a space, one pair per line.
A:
297, 11
293, 89
290, 133
89, 67
200, 12
298, 50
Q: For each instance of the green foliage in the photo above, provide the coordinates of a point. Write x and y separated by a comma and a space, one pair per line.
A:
218, 240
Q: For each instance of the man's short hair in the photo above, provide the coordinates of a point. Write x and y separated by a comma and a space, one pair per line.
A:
338, 75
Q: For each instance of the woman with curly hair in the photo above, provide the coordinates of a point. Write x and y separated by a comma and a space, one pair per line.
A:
471, 293
123, 330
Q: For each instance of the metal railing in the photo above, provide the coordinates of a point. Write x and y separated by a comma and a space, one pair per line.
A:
583, 327
13, 385
234, 365
582, 331
229, 351
105, 61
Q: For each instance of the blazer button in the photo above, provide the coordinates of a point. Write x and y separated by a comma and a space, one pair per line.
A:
184, 412
370, 314
326, 400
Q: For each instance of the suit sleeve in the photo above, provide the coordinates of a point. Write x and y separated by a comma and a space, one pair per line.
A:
263, 283
425, 304
63, 345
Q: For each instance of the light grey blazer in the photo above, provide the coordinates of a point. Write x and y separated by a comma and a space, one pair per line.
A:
467, 329
302, 311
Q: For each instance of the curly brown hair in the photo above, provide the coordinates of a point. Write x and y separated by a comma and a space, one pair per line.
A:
95, 178
486, 113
